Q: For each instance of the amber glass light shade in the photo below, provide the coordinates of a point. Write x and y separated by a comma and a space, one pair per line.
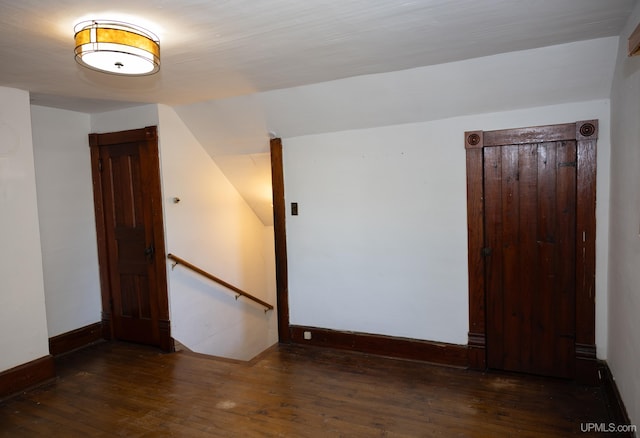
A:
117, 48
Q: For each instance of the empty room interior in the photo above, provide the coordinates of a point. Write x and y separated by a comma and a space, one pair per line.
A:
320, 218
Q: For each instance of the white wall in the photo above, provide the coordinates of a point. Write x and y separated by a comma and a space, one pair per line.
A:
624, 263
215, 229
380, 246
67, 223
23, 321
125, 119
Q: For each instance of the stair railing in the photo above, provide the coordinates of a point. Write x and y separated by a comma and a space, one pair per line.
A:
179, 261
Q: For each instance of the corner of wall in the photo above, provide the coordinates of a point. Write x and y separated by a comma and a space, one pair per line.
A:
23, 322
624, 216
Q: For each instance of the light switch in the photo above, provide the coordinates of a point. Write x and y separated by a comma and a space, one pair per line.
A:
294, 209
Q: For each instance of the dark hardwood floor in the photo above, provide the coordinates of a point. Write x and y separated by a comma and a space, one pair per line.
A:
117, 389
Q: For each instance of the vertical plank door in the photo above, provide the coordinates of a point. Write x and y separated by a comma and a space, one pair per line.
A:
531, 229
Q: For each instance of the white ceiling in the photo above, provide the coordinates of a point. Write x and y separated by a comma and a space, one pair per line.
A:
235, 69
216, 49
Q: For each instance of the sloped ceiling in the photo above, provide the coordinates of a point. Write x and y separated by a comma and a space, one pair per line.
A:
549, 75
235, 130
279, 60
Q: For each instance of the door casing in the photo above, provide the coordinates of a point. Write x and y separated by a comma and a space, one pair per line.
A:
585, 134
280, 239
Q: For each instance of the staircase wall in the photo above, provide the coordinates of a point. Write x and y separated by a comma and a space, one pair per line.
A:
213, 227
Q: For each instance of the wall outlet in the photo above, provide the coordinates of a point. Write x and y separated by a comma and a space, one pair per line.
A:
307, 335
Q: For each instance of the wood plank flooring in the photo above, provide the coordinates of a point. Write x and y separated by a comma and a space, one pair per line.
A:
118, 389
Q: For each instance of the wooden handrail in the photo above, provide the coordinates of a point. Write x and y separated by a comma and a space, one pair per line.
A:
240, 292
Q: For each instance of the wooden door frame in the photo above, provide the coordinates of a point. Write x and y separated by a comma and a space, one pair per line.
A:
280, 239
149, 135
585, 134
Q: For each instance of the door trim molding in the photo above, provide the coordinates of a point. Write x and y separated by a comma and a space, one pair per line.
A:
280, 239
585, 134
103, 257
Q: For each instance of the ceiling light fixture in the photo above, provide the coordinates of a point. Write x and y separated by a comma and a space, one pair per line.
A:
117, 48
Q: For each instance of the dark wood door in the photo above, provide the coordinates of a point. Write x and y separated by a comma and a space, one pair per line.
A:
131, 239
530, 230
531, 239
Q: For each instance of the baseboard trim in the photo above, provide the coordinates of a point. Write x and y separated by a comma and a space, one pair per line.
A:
26, 376
75, 339
615, 405
587, 365
477, 351
404, 348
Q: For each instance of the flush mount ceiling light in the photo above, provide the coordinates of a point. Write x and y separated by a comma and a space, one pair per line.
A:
117, 48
